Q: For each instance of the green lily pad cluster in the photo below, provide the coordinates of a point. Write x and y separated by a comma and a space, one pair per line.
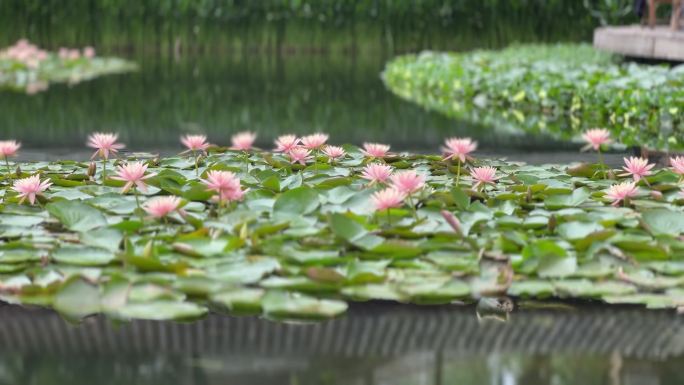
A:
306, 239
27, 68
560, 90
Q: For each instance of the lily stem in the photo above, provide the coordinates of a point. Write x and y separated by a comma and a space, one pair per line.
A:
9, 171
137, 203
104, 170
194, 156
413, 207
603, 164
458, 173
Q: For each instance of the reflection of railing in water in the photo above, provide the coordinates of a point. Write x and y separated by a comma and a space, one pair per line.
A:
368, 330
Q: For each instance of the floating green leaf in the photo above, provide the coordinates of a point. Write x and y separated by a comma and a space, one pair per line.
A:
76, 216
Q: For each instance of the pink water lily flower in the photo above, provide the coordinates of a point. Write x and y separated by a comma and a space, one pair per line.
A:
133, 173
105, 143
458, 148
299, 155
9, 148
243, 141
408, 181
226, 184
483, 175
285, 143
160, 207
621, 192
194, 143
334, 152
388, 198
595, 138
637, 168
677, 164
314, 141
375, 150
376, 173
232, 195
221, 181
30, 188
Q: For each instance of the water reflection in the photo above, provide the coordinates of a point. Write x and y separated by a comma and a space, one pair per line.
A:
374, 344
222, 94
419, 368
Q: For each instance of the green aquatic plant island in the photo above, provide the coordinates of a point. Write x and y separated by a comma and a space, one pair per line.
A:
558, 89
25, 67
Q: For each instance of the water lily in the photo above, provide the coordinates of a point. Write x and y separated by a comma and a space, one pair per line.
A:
160, 207
375, 150
637, 168
232, 195
8, 148
29, 188
104, 144
483, 175
194, 143
458, 148
334, 152
220, 181
677, 164
621, 192
285, 143
133, 173
376, 173
595, 138
314, 141
226, 184
243, 141
407, 181
388, 198
299, 155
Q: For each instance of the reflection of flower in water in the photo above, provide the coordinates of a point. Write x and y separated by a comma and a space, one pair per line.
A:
26, 67
36, 87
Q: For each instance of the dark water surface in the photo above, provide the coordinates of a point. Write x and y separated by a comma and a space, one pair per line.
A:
222, 94
372, 344
223, 67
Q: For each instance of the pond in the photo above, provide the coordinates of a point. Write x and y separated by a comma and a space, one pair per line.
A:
302, 76
372, 345
196, 76
220, 95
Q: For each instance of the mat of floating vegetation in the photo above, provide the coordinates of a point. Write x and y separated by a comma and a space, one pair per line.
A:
25, 67
555, 89
304, 240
